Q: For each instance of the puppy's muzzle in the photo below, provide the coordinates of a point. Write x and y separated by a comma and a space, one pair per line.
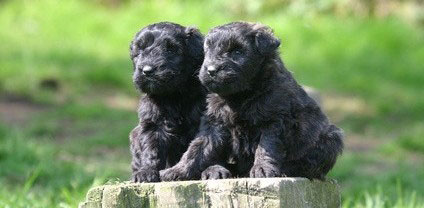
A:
212, 70
147, 70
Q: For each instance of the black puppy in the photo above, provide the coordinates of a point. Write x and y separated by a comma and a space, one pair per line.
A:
259, 122
166, 59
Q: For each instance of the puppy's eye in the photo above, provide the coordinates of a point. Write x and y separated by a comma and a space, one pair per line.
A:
237, 52
143, 44
171, 48
146, 41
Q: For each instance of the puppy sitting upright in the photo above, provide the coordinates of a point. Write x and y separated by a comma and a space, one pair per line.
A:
166, 59
259, 122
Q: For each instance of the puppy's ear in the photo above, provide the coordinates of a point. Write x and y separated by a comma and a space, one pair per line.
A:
195, 43
133, 48
265, 41
192, 32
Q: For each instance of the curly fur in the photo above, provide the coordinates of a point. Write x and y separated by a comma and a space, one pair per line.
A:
259, 122
174, 100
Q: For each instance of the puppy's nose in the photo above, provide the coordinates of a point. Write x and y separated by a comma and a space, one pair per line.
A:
212, 70
147, 70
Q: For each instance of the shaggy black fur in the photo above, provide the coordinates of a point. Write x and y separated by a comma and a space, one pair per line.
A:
259, 122
166, 59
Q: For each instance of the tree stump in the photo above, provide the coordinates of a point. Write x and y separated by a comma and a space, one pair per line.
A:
243, 192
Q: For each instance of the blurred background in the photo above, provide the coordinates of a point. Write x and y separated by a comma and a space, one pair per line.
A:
67, 103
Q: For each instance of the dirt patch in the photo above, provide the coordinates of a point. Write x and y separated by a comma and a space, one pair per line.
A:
18, 110
361, 143
339, 107
112, 99
119, 101
342, 106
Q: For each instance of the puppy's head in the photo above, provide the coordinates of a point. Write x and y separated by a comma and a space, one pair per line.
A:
164, 56
234, 54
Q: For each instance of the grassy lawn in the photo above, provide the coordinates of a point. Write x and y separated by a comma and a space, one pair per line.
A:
57, 140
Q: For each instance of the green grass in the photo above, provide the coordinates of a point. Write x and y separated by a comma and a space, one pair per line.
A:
33, 176
370, 71
379, 200
62, 153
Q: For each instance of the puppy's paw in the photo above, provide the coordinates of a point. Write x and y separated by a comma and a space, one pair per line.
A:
215, 172
146, 175
264, 171
173, 174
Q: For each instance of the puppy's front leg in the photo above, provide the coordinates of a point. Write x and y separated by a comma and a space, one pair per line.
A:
216, 172
148, 155
206, 150
268, 156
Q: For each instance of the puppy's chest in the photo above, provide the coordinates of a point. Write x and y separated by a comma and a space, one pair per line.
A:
175, 128
181, 125
244, 141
